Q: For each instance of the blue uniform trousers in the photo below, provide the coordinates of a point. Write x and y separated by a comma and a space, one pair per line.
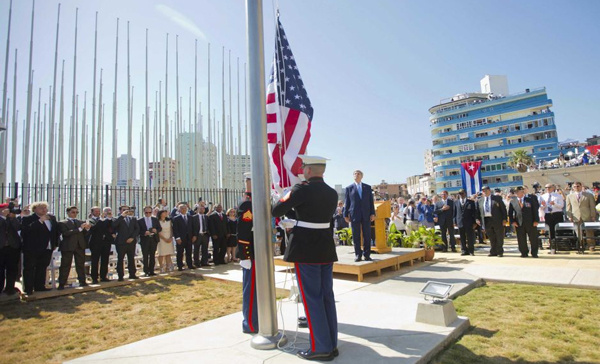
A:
316, 287
249, 307
363, 226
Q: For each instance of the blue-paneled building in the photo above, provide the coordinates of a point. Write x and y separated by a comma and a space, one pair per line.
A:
488, 126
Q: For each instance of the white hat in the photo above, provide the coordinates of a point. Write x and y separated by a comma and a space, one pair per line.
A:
247, 175
309, 160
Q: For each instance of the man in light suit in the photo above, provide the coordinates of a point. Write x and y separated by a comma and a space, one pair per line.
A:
465, 214
359, 211
523, 212
127, 229
149, 229
581, 208
444, 209
492, 218
73, 244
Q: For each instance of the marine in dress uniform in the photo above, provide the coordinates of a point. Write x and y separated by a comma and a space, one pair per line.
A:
245, 253
312, 249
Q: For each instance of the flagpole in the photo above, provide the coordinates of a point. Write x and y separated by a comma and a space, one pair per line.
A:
51, 178
130, 170
25, 171
268, 337
144, 169
13, 162
223, 141
114, 130
60, 172
94, 136
196, 158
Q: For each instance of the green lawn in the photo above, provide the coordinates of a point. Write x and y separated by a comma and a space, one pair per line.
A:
513, 323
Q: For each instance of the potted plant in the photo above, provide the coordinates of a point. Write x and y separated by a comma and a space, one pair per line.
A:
345, 236
520, 160
430, 239
395, 238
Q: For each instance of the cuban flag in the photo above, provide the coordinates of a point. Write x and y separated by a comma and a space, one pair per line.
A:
470, 173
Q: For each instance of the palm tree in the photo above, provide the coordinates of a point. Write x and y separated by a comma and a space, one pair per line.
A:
520, 160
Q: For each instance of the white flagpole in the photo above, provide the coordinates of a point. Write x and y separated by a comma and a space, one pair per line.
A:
60, 173
25, 171
268, 337
144, 168
114, 130
4, 116
51, 156
223, 140
13, 162
73, 156
131, 169
94, 135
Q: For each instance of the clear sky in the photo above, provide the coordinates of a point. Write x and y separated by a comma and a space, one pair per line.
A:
372, 68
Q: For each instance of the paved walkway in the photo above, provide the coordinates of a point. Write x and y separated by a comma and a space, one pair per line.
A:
376, 316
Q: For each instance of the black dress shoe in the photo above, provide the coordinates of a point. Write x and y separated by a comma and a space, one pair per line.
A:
368, 259
523, 255
121, 279
134, 277
302, 322
534, 256
473, 254
309, 355
492, 255
357, 259
463, 254
205, 265
500, 255
105, 280
152, 274
335, 352
83, 284
94, 281
61, 287
453, 250
43, 289
180, 269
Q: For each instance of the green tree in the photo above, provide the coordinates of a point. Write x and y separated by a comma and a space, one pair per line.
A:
520, 160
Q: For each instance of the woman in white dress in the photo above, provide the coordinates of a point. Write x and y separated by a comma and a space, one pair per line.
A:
165, 245
397, 219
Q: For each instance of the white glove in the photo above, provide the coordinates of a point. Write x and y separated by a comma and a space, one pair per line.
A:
246, 264
287, 223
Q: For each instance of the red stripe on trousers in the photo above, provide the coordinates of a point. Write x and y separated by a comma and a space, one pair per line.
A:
250, 323
312, 338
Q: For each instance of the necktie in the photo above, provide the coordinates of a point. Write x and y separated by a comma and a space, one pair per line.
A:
127, 220
487, 204
185, 218
412, 213
359, 190
201, 223
221, 216
521, 202
549, 199
578, 197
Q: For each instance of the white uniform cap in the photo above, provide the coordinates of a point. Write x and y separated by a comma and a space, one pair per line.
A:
309, 160
247, 175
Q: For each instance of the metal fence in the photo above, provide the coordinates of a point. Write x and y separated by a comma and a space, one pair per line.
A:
59, 197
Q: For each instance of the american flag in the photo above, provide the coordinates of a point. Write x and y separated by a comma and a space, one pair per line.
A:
289, 115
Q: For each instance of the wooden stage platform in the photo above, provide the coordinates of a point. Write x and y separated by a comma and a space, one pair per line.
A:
347, 265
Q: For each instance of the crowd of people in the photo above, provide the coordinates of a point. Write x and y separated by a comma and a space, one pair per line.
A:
496, 214
29, 236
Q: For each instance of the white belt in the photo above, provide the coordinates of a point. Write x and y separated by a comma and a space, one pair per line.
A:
313, 225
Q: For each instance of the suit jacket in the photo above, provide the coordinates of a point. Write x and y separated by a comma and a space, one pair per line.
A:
110, 230
196, 224
182, 229
526, 215
497, 208
143, 228
444, 216
217, 225
9, 235
582, 210
356, 207
465, 214
98, 232
72, 238
36, 235
125, 231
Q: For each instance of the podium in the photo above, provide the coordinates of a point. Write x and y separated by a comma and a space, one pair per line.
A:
383, 210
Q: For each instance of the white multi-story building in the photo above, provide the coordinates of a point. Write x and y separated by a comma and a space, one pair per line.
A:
428, 161
125, 170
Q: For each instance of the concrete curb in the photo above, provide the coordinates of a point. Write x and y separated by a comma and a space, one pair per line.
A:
450, 339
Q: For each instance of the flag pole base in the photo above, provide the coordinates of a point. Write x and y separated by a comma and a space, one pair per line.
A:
262, 342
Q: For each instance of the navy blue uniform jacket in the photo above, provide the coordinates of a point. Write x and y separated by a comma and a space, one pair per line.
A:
314, 201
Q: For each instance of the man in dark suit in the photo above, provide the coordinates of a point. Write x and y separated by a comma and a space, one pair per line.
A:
182, 232
98, 246
465, 214
523, 212
359, 211
10, 249
149, 229
73, 244
127, 230
444, 210
492, 217
312, 250
200, 236
40, 237
217, 221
